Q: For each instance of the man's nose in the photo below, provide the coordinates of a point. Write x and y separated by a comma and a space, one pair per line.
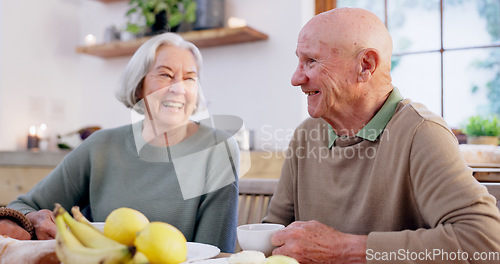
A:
298, 77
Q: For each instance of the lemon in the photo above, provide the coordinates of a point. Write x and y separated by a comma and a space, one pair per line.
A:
280, 259
123, 224
162, 243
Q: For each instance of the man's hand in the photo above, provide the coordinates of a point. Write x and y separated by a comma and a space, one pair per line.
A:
12, 229
44, 223
314, 242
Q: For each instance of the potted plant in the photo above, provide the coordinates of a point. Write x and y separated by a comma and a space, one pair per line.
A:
152, 17
483, 130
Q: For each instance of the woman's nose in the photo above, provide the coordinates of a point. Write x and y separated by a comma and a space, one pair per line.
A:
178, 88
298, 77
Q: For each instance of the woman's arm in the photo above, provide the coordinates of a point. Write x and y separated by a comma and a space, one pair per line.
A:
67, 184
218, 211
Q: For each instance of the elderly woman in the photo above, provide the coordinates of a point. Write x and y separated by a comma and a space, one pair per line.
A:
167, 166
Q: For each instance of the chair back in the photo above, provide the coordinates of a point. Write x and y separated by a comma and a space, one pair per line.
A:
254, 197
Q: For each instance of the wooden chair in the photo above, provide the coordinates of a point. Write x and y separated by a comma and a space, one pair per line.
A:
254, 198
493, 189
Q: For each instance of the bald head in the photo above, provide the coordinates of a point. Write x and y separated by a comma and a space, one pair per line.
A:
350, 30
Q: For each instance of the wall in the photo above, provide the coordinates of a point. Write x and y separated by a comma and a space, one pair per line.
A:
39, 73
1, 67
46, 81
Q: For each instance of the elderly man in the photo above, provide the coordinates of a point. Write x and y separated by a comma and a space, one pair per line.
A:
373, 177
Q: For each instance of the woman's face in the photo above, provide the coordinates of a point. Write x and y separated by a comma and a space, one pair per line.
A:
170, 88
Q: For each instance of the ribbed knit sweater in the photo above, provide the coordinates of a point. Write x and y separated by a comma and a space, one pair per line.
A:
105, 172
410, 190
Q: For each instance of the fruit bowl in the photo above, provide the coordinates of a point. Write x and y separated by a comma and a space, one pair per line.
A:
98, 225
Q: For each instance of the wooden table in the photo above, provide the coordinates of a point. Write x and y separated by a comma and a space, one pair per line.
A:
223, 255
486, 172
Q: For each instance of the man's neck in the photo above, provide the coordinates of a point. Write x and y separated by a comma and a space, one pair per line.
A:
350, 121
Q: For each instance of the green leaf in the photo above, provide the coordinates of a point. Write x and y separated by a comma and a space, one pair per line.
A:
150, 19
161, 7
174, 20
151, 4
190, 15
133, 28
482, 126
474, 89
131, 11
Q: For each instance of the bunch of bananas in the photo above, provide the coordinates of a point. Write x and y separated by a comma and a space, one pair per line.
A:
77, 241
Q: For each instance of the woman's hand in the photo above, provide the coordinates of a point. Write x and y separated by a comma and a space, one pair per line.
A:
12, 229
44, 223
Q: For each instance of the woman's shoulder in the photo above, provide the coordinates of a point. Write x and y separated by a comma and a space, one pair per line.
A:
110, 133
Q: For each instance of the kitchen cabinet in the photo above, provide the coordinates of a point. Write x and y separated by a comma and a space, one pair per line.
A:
21, 170
201, 38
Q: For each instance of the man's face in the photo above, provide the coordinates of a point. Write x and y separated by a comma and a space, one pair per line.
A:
325, 73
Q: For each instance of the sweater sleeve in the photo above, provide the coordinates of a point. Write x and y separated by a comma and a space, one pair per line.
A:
217, 215
67, 184
463, 220
281, 208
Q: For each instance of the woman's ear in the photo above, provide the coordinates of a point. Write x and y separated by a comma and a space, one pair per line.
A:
138, 91
369, 59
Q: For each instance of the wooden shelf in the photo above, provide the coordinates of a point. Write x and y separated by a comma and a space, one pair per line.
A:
201, 38
110, 1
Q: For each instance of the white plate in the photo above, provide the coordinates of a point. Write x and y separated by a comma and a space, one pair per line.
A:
199, 251
212, 261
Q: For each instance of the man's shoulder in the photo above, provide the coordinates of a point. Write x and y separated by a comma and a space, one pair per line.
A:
413, 114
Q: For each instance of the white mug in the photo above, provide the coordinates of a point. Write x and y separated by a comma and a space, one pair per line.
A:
257, 237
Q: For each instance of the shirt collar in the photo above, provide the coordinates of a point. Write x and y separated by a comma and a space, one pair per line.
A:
374, 128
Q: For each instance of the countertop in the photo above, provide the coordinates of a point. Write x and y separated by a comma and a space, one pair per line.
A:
29, 158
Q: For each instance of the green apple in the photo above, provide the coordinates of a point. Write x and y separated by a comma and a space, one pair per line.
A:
280, 259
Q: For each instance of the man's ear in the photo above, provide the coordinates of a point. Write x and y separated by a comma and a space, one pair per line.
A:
369, 59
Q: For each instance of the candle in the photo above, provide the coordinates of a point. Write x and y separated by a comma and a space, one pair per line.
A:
41, 132
235, 22
90, 40
43, 140
32, 139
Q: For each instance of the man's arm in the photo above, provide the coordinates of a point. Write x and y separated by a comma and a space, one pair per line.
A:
460, 214
281, 207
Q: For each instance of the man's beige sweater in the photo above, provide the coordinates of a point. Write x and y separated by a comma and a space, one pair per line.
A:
410, 190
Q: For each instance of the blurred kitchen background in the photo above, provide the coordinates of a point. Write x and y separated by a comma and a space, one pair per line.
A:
58, 76
452, 67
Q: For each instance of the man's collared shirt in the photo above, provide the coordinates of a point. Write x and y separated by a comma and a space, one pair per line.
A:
374, 128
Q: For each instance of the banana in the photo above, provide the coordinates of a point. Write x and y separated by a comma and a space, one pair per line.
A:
87, 235
70, 250
77, 214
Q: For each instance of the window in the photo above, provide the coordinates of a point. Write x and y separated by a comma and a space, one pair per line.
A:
446, 53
